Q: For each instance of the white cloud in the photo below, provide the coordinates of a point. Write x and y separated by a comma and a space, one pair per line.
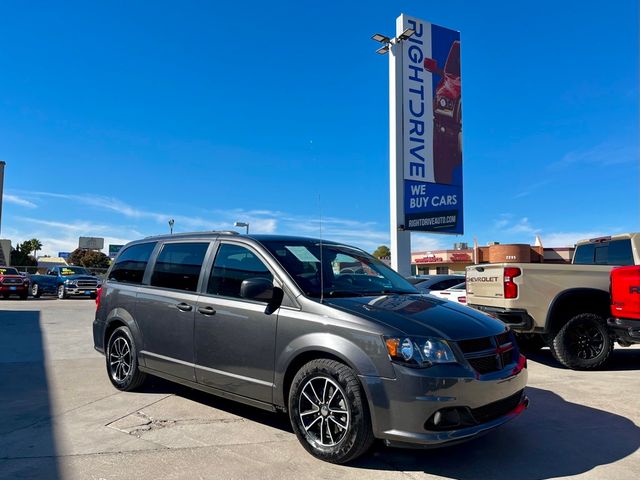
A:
16, 200
604, 154
567, 239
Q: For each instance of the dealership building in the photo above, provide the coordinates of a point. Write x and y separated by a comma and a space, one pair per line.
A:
457, 259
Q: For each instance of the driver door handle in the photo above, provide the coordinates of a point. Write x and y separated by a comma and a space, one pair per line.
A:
206, 310
184, 307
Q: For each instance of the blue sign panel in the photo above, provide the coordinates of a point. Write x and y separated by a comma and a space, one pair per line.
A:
432, 125
64, 255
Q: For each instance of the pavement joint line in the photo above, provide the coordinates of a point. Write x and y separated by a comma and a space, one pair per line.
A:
135, 411
142, 450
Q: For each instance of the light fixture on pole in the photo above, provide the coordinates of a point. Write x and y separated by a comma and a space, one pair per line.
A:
242, 224
389, 42
171, 222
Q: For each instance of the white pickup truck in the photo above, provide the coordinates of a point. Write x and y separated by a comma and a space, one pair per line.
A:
563, 306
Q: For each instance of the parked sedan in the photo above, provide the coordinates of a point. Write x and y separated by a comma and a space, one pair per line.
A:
457, 293
429, 283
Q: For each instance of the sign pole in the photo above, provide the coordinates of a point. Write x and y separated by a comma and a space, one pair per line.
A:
400, 238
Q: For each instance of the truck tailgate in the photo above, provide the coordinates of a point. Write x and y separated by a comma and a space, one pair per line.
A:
485, 281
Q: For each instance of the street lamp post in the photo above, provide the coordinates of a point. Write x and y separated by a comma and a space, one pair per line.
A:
242, 224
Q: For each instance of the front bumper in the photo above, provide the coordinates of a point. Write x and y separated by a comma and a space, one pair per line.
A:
14, 288
403, 408
83, 291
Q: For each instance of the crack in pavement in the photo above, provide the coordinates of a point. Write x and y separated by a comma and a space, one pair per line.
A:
147, 423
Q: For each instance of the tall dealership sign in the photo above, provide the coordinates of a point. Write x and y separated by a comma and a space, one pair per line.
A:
425, 134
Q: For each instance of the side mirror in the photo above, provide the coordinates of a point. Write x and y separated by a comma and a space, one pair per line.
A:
430, 65
257, 289
262, 289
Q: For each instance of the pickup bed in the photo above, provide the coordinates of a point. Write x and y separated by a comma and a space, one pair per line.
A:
64, 282
563, 306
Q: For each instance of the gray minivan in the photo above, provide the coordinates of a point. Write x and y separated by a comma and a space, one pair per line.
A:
320, 330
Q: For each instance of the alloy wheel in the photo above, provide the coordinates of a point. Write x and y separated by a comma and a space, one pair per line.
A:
324, 411
120, 359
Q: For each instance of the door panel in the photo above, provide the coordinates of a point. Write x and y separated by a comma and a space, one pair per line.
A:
235, 347
166, 330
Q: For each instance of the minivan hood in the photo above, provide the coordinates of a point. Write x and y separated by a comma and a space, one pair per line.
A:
422, 315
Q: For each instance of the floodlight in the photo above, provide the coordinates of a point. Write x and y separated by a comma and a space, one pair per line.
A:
382, 50
378, 37
407, 34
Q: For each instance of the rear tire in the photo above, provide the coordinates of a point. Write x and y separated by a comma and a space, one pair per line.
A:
122, 361
25, 295
583, 343
329, 413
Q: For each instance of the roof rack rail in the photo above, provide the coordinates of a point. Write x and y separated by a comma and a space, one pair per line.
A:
204, 232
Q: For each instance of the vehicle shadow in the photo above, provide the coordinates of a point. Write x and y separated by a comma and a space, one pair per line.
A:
622, 359
553, 438
277, 420
24, 399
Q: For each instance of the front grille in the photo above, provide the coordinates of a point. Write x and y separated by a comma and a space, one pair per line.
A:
497, 409
12, 281
87, 283
489, 354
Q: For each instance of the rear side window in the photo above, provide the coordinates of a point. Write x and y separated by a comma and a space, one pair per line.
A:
615, 252
131, 263
234, 264
178, 266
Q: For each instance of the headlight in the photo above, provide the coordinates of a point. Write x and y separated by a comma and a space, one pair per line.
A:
69, 282
419, 352
444, 103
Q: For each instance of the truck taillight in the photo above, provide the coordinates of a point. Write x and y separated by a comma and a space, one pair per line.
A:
98, 295
510, 288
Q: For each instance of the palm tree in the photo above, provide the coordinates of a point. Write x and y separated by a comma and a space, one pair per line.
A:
35, 245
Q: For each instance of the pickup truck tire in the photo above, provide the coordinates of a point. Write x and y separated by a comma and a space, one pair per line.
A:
583, 343
530, 342
35, 291
62, 292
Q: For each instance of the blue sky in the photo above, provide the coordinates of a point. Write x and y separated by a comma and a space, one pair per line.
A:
115, 117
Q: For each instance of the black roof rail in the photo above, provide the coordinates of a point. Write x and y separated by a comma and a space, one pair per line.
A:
188, 234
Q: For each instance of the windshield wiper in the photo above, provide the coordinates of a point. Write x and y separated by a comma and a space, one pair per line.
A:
345, 293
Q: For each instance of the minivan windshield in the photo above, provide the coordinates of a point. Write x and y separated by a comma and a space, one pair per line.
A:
336, 270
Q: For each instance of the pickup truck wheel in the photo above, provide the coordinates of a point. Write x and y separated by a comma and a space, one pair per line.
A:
35, 291
583, 343
122, 361
329, 413
530, 342
62, 292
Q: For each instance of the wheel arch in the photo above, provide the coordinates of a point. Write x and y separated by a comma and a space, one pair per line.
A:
316, 346
573, 302
119, 317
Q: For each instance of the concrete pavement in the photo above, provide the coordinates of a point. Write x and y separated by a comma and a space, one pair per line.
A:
60, 418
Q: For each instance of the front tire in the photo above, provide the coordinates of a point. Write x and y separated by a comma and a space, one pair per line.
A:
329, 413
62, 292
122, 361
35, 291
583, 343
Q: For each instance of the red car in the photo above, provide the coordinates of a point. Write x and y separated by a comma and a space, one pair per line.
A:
12, 283
447, 117
625, 304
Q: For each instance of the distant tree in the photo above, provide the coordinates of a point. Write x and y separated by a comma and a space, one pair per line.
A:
382, 252
35, 246
89, 258
20, 255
